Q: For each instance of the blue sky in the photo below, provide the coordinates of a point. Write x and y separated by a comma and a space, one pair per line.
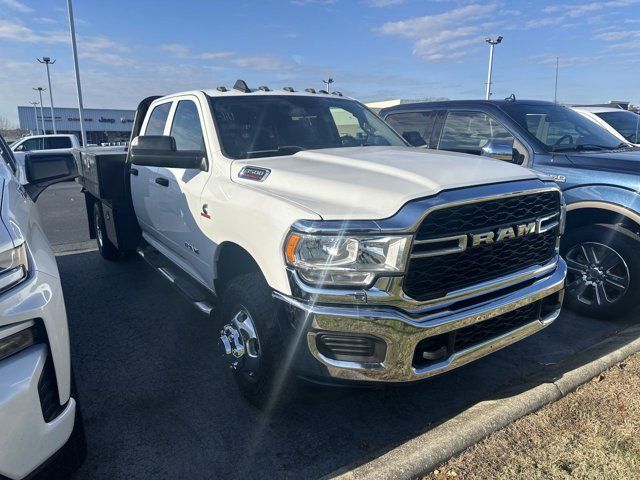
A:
374, 49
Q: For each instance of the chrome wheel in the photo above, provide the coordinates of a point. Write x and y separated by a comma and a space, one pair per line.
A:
597, 274
240, 343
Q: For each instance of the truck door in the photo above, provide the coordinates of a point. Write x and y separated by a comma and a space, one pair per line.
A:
177, 193
142, 176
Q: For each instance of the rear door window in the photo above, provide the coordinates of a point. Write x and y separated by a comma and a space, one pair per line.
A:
57, 142
186, 128
158, 119
468, 132
415, 127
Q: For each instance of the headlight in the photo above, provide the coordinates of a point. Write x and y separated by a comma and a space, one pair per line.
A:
350, 261
13, 267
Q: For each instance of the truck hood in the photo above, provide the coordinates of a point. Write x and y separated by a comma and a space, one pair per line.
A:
371, 182
621, 162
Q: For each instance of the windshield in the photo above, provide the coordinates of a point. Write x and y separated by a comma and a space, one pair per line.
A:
624, 122
562, 129
270, 125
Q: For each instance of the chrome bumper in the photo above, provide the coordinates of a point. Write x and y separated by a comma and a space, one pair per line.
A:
402, 332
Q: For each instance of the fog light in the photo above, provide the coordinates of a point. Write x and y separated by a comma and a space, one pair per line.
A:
19, 341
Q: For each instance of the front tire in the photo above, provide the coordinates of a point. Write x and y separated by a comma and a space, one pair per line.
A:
603, 278
107, 249
253, 341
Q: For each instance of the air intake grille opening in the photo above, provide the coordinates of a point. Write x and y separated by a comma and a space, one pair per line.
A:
48, 392
476, 334
351, 348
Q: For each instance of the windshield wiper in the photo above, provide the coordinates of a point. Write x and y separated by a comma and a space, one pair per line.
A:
283, 150
580, 147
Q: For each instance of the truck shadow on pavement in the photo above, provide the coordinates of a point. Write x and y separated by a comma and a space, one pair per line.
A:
159, 402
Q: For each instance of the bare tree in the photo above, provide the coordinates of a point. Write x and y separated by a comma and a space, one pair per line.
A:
6, 124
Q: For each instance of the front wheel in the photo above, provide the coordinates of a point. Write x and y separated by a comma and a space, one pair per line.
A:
107, 249
252, 341
603, 278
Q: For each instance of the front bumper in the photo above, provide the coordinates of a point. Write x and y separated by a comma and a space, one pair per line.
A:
402, 333
34, 382
26, 440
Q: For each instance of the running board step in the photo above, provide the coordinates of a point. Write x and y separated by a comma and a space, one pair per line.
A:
191, 290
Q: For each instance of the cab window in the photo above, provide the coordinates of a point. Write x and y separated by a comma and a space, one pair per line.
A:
186, 128
468, 132
53, 143
415, 127
29, 145
158, 119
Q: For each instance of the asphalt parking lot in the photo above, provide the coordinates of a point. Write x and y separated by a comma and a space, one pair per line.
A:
158, 400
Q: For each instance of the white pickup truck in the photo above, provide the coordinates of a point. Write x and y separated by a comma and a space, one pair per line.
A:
56, 141
322, 244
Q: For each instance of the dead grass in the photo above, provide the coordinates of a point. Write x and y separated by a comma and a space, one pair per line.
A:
593, 433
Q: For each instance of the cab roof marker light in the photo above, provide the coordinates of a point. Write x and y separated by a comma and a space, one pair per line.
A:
288, 89
222, 88
310, 90
339, 94
323, 91
241, 86
264, 88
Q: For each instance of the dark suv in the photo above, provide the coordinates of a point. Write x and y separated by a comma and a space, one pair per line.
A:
600, 177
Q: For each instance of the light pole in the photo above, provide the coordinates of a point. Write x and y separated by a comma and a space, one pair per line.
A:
492, 43
35, 115
47, 61
40, 90
72, 27
328, 83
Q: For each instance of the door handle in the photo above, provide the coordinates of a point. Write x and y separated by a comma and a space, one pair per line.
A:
134, 171
162, 181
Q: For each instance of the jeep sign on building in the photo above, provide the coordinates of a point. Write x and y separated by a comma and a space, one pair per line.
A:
101, 124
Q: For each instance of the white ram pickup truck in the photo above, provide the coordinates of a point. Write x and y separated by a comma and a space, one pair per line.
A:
323, 245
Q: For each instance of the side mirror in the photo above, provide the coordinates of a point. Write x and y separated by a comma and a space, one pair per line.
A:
44, 169
161, 151
499, 149
414, 138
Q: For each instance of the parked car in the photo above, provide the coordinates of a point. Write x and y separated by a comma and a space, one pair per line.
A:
46, 142
598, 173
41, 430
329, 248
622, 123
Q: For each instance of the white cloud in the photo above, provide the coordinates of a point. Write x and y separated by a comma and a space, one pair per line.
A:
179, 50
383, 3
16, 6
445, 36
267, 62
45, 20
14, 30
312, 2
590, 12
564, 60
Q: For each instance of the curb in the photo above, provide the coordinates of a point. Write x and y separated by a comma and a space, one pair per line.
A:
423, 454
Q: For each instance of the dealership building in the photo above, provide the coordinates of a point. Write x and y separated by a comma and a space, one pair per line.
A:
100, 124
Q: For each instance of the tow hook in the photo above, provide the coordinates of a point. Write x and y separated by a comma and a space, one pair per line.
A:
232, 345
